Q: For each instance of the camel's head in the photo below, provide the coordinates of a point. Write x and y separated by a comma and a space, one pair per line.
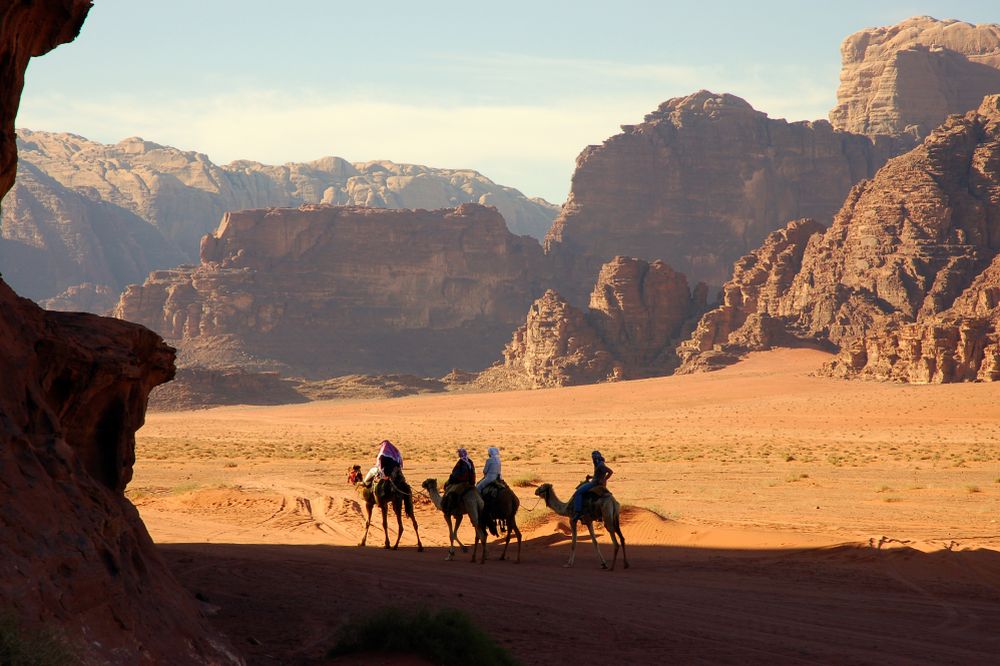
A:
543, 490
429, 484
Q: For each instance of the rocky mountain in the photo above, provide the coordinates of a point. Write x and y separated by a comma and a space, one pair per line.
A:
701, 182
750, 302
322, 290
77, 559
638, 311
56, 238
905, 79
904, 281
110, 214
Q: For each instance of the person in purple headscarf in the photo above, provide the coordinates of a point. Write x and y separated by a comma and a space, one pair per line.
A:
387, 460
464, 471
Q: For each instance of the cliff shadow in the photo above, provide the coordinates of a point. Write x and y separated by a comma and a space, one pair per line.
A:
842, 604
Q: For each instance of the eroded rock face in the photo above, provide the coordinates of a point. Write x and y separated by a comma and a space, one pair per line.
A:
110, 214
743, 321
54, 240
76, 556
699, 184
907, 78
558, 346
321, 291
638, 311
904, 282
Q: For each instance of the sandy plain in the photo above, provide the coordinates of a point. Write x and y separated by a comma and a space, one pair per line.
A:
772, 516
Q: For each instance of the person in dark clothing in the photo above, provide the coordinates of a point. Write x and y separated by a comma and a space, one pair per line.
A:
464, 470
461, 479
600, 478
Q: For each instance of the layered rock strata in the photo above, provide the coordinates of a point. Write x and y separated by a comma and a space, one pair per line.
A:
321, 291
700, 183
638, 311
905, 79
54, 239
750, 302
77, 560
903, 282
110, 214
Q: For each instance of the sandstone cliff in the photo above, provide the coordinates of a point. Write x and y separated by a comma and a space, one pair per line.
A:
54, 239
699, 183
76, 556
638, 311
744, 320
903, 282
907, 78
327, 290
110, 214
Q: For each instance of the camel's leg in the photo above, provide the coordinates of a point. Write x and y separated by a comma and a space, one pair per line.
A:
621, 536
397, 508
597, 547
451, 538
420, 546
385, 522
517, 532
458, 521
367, 524
503, 553
480, 536
572, 550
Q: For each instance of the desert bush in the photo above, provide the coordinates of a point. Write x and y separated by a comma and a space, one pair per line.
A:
447, 637
20, 647
526, 481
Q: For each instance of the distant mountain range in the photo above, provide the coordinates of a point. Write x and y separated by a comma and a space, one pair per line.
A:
85, 217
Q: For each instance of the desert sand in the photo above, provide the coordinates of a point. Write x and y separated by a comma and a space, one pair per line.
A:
771, 516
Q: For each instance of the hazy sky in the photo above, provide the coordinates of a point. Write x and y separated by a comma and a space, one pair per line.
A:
512, 89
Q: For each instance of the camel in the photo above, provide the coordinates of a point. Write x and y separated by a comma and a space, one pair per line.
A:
472, 504
399, 496
605, 509
501, 509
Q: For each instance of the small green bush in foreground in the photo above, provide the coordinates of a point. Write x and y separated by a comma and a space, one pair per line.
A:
447, 637
31, 648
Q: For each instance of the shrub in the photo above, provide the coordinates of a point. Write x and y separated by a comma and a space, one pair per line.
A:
446, 637
527, 481
20, 647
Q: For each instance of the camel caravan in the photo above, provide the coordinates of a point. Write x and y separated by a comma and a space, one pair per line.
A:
490, 504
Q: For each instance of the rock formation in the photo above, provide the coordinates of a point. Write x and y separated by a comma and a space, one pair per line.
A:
324, 290
701, 182
77, 559
907, 78
904, 281
744, 320
195, 388
637, 313
110, 214
55, 239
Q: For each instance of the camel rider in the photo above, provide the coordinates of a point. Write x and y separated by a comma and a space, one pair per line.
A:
462, 477
387, 461
600, 478
355, 475
491, 470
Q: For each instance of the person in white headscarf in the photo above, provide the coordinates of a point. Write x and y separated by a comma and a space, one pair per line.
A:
491, 470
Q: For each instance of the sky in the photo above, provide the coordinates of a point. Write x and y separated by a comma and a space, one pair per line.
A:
514, 90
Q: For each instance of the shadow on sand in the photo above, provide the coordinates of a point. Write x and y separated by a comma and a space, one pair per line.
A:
842, 604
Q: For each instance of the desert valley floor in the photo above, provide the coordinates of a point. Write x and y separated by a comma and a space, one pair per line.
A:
771, 516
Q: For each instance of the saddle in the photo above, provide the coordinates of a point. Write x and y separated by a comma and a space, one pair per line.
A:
453, 494
491, 493
492, 490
